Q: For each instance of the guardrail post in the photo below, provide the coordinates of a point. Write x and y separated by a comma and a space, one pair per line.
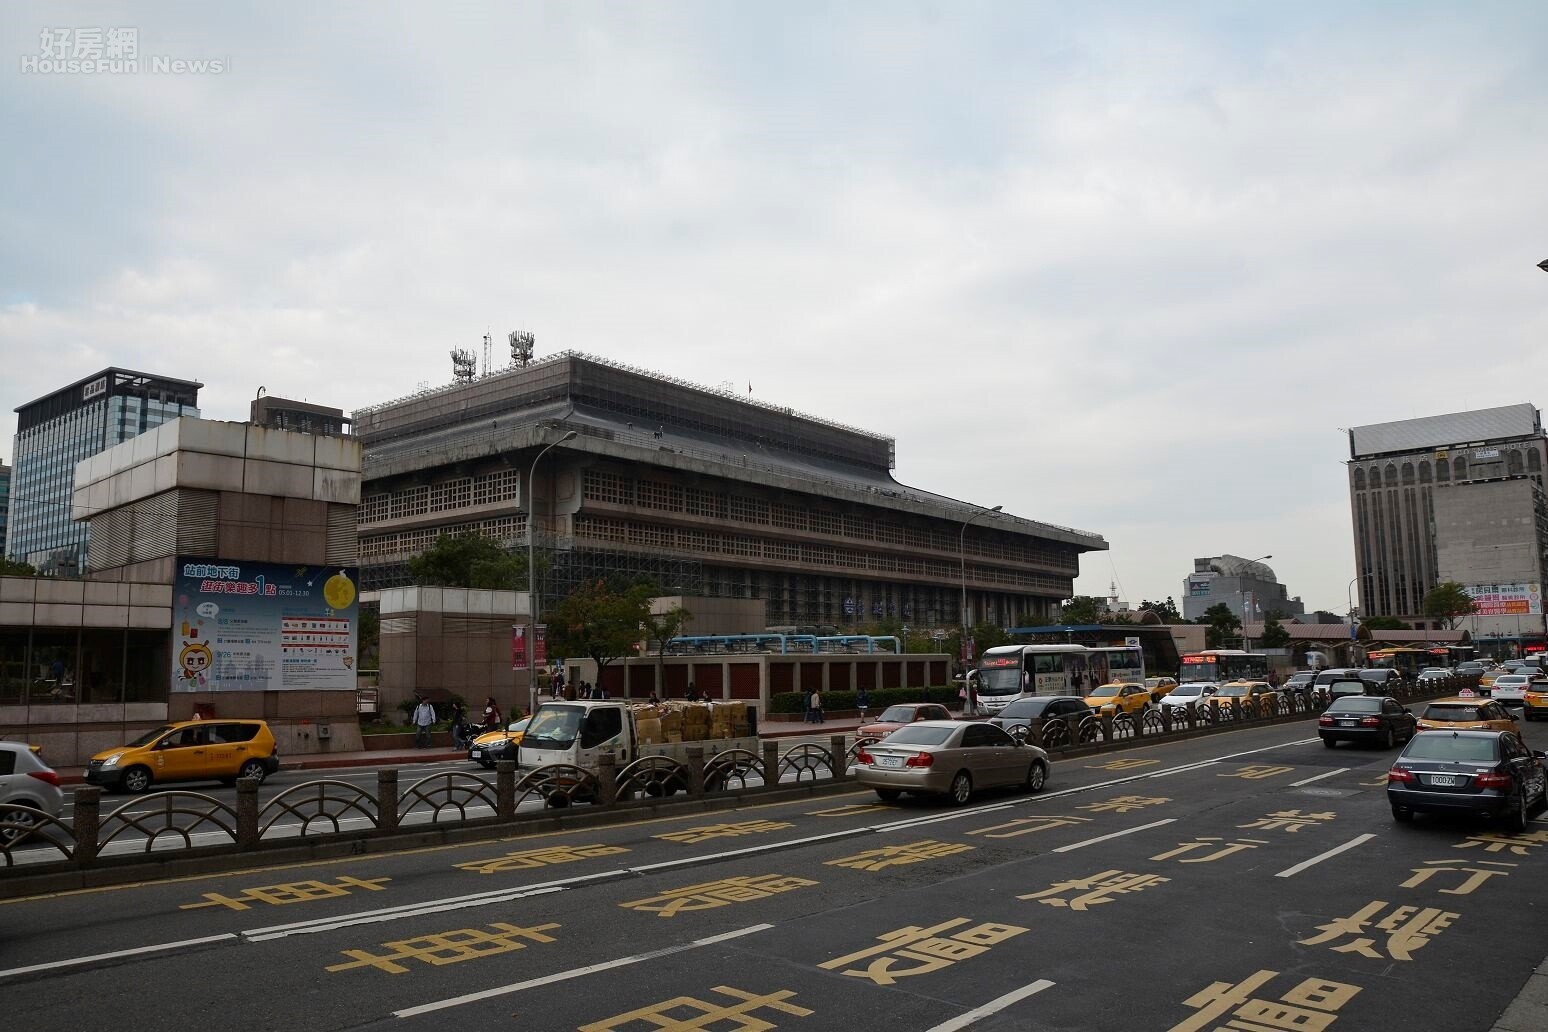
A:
505, 789
247, 813
695, 771
607, 780
387, 800
86, 814
1166, 720
770, 764
1107, 728
1035, 733
840, 764
1214, 711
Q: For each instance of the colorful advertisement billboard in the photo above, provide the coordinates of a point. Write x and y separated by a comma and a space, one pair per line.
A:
244, 626
1507, 599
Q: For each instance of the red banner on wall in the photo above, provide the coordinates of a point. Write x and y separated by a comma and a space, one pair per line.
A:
540, 644
518, 646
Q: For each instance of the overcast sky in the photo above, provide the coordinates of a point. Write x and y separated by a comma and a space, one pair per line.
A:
1115, 266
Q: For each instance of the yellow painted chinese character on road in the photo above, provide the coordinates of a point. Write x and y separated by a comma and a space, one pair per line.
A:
692, 836
926, 948
894, 856
1311, 1006
1408, 929
1257, 772
1027, 825
293, 892
1203, 841
448, 947
1494, 842
1121, 764
527, 859
1098, 888
709, 895
667, 1015
1124, 803
848, 811
1476, 876
1289, 820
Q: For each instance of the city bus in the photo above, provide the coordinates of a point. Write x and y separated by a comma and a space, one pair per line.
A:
1006, 672
1407, 662
1217, 666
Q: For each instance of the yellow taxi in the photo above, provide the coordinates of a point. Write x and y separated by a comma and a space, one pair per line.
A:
1119, 698
1249, 693
1467, 712
1535, 700
190, 750
1486, 679
491, 747
1160, 687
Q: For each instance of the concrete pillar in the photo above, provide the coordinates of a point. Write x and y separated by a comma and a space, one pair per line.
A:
770, 763
86, 820
505, 789
247, 813
607, 780
839, 757
387, 800
696, 771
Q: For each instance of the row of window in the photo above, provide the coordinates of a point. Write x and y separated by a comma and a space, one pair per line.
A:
444, 496
693, 541
504, 530
1516, 461
615, 489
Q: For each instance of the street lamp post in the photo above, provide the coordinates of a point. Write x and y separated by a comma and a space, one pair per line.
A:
967, 697
532, 606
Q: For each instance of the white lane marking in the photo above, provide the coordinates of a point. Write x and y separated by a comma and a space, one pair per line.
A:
765, 847
1318, 777
994, 1006
136, 951
1116, 834
329, 924
1291, 872
564, 976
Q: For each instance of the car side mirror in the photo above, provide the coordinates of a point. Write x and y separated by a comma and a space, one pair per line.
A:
1540, 754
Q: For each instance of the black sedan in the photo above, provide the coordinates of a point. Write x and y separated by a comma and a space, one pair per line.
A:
1491, 773
1371, 719
1020, 716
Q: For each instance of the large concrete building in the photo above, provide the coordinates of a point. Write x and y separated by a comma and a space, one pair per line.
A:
5, 502
707, 492
62, 429
1248, 587
1456, 497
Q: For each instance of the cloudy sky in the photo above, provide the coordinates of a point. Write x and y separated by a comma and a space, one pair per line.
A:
1125, 267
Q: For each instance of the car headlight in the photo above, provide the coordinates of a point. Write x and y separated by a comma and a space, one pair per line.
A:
112, 761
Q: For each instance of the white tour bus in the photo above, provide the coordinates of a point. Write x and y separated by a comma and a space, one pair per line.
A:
1007, 672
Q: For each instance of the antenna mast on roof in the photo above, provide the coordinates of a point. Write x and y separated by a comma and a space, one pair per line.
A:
488, 353
464, 365
522, 342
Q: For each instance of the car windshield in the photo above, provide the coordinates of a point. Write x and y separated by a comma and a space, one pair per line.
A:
554, 727
1104, 691
1184, 690
1299, 679
1025, 708
1351, 687
1437, 671
150, 736
518, 725
1452, 714
1450, 747
1361, 704
1235, 690
917, 735
897, 714
1511, 679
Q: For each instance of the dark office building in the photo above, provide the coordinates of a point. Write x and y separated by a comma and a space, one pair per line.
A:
300, 416
56, 432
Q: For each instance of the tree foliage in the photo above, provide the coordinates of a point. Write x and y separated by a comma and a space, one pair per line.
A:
469, 561
1222, 626
1082, 609
1167, 611
16, 568
662, 628
1385, 623
1274, 634
1447, 602
600, 621
987, 636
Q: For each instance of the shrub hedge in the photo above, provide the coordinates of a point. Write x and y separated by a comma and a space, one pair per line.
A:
880, 699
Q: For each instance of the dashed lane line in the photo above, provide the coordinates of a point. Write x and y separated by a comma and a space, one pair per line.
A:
1117, 834
994, 1006
163, 947
1291, 872
1319, 777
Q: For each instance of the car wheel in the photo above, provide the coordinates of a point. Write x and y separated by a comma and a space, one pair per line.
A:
1330, 743
1037, 777
135, 780
961, 788
1390, 739
253, 769
1517, 821
888, 795
20, 824
1402, 814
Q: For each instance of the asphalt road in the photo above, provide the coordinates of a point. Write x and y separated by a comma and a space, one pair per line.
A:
1252, 877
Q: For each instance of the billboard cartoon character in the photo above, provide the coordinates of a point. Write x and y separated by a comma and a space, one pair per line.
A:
194, 660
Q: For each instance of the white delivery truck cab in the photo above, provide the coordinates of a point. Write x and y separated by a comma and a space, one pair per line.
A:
579, 733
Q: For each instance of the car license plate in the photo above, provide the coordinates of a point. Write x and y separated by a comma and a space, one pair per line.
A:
477, 754
1346, 723
889, 761
1443, 780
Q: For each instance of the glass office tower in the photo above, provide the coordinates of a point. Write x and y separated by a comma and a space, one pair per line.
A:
55, 432
5, 501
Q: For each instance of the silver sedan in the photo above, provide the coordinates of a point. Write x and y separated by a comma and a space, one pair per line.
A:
951, 758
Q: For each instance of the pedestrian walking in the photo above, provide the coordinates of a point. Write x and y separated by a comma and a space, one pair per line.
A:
424, 716
816, 704
459, 726
491, 714
862, 702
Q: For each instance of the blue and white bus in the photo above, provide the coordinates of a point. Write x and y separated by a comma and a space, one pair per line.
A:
1008, 672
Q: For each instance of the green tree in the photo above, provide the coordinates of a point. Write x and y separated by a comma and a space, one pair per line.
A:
369, 651
469, 561
662, 628
600, 621
1222, 626
1274, 634
986, 636
1166, 611
15, 568
1385, 623
1082, 609
1447, 602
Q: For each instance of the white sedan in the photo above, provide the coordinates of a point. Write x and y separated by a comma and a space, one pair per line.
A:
1511, 688
1196, 692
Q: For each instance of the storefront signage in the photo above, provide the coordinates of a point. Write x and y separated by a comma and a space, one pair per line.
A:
1506, 599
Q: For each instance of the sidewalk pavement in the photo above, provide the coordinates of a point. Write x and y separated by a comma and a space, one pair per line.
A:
402, 757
